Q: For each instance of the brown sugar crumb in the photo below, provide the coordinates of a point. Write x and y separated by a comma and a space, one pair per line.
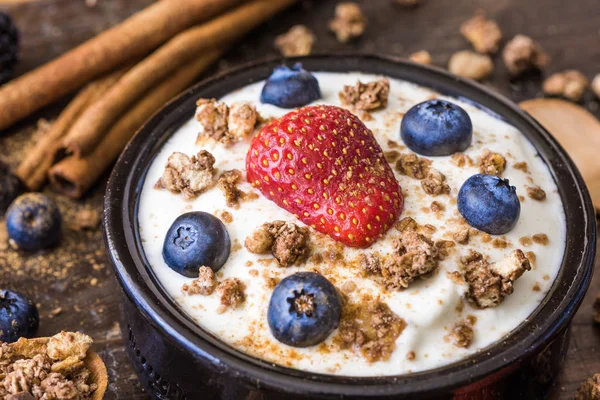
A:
406, 223
370, 264
411, 165
434, 184
298, 41
391, 156
436, 206
540, 238
223, 123
525, 241
228, 182
371, 329
461, 160
468, 64
492, 163
522, 54
205, 284
444, 248
521, 166
421, 57
536, 193
590, 389
285, 240
232, 294
188, 175
348, 23
490, 283
416, 256
499, 243
570, 84
483, 33
462, 334
536, 287
369, 96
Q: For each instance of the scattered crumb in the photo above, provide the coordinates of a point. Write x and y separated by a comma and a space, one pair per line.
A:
570, 84
461, 160
536, 193
434, 184
462, 334
483, 33
369, 96
232, 294
536, 287
285, 240
468, 64
525, 241
412, 165
421, 57
522, 53
298, 41
349, 22
410, 356
540, 238
204, 285
188, 175
590, 389
492, 163
522, 166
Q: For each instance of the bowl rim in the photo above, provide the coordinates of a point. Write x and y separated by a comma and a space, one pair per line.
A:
550, 317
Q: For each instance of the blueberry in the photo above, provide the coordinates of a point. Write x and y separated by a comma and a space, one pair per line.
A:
18, 316
489, 204
304, 309
196, 239
436, 128
10, 188
33, 222
290, 88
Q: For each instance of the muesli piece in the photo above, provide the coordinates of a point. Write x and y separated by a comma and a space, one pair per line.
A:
369, 96
370, 264
421, 57
232, 293
285, 240
570, 84
522, 53
188, 175
298, 41
492, 163
349, 22
416, 257
223, 123
69, 344
444, 248
590, 389
483, 33
434, 183
406, 223
489, 283
462, 334
411, 165
468, 64
461, 160
228, 182
204, 285
536, 193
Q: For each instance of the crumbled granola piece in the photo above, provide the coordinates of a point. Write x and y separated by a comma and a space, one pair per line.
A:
483, 33
298, 41
522, 53
436, 206
412, 165
421, 57
391, 156
232, 294
536, 193
188, 175
228, 182
489, 283
492, 163
369, 96
444, 248
461, 160
462, 334
29, 348
370, 264
67, 366
19, 396
56, 386
416, 257
570, 84
468, 64
590, 389
285, 240
406, 223
25, 374
499, 243
462, 236
522, 166
67, 344
596, 85
349, 22
540, 238
434, 183
204, 285
223, 123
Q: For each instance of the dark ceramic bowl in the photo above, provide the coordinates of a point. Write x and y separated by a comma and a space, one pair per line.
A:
176, 359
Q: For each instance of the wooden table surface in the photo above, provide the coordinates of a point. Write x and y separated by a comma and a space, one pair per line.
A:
76, 276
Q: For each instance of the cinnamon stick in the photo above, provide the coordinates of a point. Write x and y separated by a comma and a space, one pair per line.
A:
73, 176
33, 170
91, 127
130, 40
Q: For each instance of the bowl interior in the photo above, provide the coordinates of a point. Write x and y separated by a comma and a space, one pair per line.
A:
141, 285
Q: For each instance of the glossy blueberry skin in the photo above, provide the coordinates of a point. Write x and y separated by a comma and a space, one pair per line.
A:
10, 188
196, 239
33, 222
299, 329
436, 128
489, 204
18, 316
290, 88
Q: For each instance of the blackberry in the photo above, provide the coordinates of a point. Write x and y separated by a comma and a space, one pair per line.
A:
9, 47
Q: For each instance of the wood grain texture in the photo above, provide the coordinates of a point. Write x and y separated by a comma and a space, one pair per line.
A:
569, 32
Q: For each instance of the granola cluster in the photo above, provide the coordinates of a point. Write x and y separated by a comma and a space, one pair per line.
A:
188, 175
421, 57
228, 183
468, 64
483, 33
570, 84
365, 97
489, 283
286, 241
590, 389
205, 284
522, 54
298, 41
225, 124
462, 334
433, 181
231, 290
46, 369
492, 163
349, 22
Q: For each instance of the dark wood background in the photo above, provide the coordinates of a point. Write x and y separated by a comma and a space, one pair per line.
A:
76, 277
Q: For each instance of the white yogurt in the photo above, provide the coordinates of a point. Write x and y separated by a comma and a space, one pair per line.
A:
428, 306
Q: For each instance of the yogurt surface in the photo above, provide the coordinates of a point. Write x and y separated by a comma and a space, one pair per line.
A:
430, 307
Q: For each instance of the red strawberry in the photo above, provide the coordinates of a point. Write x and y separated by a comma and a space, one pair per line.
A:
322, 164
